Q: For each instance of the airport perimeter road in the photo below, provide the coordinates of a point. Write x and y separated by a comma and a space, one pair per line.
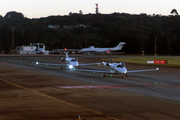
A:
30, 91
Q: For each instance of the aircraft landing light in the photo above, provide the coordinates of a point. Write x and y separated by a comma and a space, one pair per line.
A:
104, 86
37, 63
70, 66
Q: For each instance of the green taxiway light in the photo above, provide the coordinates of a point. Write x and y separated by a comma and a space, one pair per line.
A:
26, 61
156, 83
32, 62
10, 60
94, 73
74, 68
20, 60
46, 64
111, 75
56, 66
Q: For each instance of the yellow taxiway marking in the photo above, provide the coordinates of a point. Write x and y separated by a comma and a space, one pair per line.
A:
68, 103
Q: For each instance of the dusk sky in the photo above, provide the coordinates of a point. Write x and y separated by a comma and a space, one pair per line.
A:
44, 8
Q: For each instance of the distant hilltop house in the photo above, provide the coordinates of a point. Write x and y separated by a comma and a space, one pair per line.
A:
54, 26
79, 26
68, 26
74, 26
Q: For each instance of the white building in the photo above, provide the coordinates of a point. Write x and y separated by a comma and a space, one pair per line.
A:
26, 49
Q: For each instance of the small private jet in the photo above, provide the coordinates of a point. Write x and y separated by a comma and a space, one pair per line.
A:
117, 69
93, 49
70, 63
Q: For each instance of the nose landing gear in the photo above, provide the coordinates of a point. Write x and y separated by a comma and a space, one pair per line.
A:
127, 75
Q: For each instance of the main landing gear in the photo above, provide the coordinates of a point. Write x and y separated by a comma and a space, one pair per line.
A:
127, 75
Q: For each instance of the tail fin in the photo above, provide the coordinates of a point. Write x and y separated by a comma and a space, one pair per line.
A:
66, 54
120, 45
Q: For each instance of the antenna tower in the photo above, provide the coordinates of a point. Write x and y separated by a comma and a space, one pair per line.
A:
97, 9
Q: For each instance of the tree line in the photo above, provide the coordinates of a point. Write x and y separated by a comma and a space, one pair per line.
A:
140, 32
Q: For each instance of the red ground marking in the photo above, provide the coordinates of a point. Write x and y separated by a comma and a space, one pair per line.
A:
176, 85
3, 63
160, 61
104, 86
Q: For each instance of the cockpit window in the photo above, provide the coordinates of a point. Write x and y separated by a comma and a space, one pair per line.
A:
73, 60
118, 66
121, 65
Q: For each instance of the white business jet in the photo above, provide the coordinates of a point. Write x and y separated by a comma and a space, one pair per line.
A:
69, 62
117, 69
93, 49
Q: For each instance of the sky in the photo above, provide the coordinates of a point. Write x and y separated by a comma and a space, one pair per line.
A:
45, 8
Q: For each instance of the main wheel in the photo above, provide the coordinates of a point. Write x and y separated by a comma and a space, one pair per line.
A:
104, 75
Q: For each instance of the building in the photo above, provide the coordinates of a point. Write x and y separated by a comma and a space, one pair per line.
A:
26, 50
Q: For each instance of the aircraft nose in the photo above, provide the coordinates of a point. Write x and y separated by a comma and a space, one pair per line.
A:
75, 63
122, 70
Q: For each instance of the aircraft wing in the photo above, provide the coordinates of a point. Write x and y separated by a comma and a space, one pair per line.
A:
98, 71
142, 70
89, 64
64, 65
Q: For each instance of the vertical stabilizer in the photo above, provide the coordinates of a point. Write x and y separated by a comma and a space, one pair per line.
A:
120, 45
66, 54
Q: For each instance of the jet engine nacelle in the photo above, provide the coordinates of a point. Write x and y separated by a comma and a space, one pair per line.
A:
106, 64
63, 59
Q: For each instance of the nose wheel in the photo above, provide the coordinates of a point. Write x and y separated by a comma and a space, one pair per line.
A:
127, 75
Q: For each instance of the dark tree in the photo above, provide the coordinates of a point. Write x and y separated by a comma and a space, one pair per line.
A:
174, 11
14, 15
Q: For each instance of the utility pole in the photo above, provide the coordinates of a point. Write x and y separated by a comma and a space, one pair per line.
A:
155, 40
13, 39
